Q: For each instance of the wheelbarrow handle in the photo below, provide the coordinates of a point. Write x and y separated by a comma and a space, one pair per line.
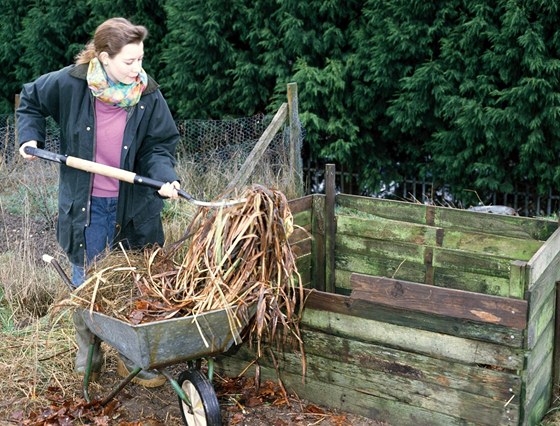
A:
122, 175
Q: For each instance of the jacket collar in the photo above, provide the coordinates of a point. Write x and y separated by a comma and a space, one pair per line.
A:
80, 71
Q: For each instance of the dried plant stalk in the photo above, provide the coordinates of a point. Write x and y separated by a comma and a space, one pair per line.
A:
233, 257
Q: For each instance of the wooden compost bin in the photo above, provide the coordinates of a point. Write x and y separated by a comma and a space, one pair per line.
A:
423, 315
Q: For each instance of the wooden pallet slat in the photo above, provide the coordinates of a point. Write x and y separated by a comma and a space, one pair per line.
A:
440, 301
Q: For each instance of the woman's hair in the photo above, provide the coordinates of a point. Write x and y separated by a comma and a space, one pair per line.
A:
111, 36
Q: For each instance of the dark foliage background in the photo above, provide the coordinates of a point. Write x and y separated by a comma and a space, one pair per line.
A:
462, 92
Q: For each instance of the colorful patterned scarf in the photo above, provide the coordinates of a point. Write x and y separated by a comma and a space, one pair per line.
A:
119, 94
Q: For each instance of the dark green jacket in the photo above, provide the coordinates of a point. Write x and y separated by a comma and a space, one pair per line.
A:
148, 150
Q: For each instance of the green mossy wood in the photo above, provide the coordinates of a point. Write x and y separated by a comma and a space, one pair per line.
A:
436, 316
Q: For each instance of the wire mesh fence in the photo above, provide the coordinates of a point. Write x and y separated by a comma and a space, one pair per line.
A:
209, 154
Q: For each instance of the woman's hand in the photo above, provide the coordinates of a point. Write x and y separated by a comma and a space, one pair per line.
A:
169, 190
22, 152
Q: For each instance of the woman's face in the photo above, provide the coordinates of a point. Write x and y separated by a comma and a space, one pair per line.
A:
125, 66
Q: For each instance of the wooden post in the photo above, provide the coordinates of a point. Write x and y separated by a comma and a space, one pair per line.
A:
556, 350
16, 105
296, 166
330, 227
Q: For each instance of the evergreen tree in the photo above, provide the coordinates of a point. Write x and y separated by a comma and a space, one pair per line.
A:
465, 91
13, 13
315, 36
53, 33
199, 55
394, 48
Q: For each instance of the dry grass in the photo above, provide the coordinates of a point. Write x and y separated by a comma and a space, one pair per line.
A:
27, 285
33, 359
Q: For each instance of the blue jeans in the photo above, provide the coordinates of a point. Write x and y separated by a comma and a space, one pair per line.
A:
98, 235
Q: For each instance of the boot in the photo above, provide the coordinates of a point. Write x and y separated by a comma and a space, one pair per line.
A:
148, 379
83, 341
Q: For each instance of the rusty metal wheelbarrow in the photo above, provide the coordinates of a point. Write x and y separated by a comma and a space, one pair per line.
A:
156, 345
159, 344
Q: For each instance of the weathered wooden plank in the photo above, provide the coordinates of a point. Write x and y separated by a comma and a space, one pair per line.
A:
389, 230
451, 268
303, 219
547, 254
538, 389
379, 248
255, 155
301, 235
302, 247
403, 269
464, 280
445, 217
295, 137
433, 396
476, 263
490, 383
542, 290
355, 400
518, 279
491, 244
535, 409
396, 210
542, 352
508, 226
457, 327
440, 301
415, 340
304, 266
301, 204
539, 320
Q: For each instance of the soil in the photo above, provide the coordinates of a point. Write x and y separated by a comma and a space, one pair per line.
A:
240, 401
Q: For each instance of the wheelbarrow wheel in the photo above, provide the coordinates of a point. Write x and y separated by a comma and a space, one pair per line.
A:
200, 392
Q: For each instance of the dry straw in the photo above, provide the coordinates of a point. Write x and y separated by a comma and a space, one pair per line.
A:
236, 258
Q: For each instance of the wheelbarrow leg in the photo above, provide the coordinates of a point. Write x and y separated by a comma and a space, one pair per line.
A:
210, 363
121, 386
177, 388
93, 342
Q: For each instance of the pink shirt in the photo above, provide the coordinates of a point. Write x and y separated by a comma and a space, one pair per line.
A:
110, 122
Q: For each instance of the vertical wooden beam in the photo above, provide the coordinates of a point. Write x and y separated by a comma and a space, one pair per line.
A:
556, 350
296, 166
16, 106
318, 230
330, 226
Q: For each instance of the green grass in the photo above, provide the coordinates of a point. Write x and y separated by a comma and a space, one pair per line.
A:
6, 314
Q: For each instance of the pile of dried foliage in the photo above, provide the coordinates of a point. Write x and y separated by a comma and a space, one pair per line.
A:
236, 258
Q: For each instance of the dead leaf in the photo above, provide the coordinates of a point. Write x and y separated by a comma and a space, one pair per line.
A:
254, 401
339, 420
237, 418
311, 408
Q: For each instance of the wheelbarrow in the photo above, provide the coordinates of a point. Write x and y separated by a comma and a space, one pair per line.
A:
157, 345
160, 344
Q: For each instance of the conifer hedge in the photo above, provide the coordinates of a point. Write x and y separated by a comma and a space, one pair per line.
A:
464, 92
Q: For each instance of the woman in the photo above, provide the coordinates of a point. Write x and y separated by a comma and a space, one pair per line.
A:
109, 111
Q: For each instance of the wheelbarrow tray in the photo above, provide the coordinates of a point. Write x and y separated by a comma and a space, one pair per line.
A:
161, 343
